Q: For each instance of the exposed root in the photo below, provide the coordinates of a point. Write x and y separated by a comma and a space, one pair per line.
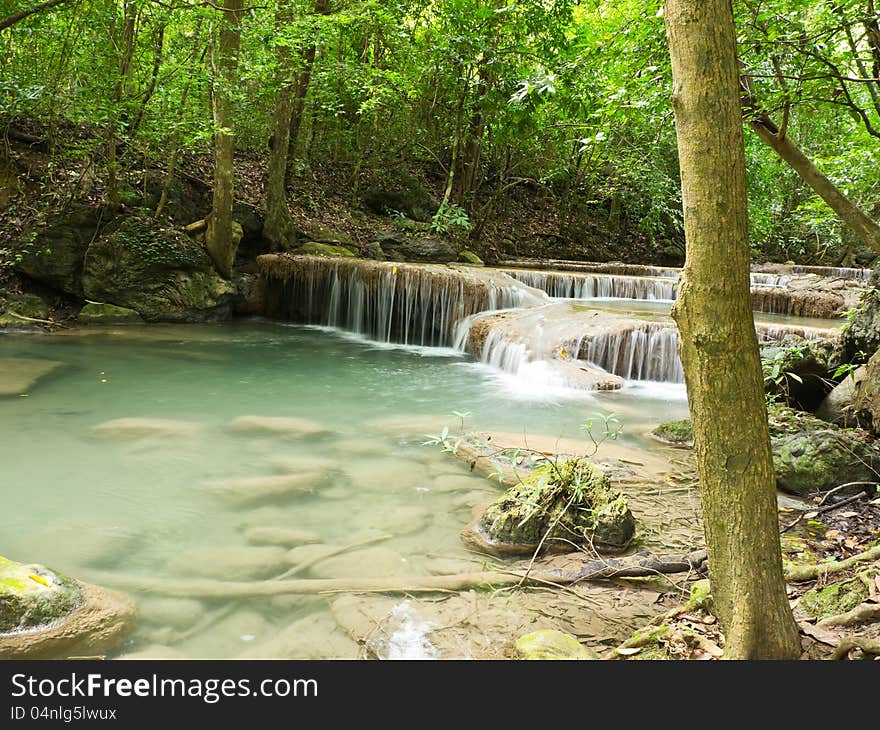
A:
800, 573
864, 614
868, 646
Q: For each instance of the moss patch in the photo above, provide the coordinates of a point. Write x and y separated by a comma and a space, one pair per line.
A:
469, 257
834, 598
675, 432
33, 596
313, 248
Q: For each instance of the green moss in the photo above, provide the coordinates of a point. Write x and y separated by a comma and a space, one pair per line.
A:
675, 432
469, 257
834, 598
95, 312
551, 644
33, 596
313, 248
24, 305
572, 500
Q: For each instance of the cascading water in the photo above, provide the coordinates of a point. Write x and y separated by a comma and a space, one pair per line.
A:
592, 286
410, 305
648, 351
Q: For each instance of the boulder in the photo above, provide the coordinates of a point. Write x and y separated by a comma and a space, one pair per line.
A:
544, 504
249, 294
798, 371
255, 489
18, 310
57, 254
861, 335
810, 455
401, 194
46, 615
838, 407
95, 313
866, 396
404, 247
159, 272
552, 644
469, 257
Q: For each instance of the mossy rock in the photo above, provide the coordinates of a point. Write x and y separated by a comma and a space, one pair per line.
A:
676, 433
551, 644
834, 599
569, 502
96, 313
315, 248
469, 257
32, 596
317, 234
157, 271
23, 305
373, 250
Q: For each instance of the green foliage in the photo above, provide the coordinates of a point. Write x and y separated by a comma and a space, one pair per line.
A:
449, 217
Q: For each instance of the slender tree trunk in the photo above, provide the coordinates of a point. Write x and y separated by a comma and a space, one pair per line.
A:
219, 239
322, 7
151, 86
718, 346
126, 54
278, 227
847, 211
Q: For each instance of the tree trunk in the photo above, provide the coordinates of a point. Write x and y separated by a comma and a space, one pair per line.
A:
278, 227
219, 238
322, 7
27, 12
718, 346
125, 57
847, 211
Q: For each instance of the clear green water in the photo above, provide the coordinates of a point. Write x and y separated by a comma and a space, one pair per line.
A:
81, 502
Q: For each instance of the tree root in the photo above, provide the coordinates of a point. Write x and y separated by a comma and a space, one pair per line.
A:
869, 646
635, 566
863, 614
801, 573
32, 319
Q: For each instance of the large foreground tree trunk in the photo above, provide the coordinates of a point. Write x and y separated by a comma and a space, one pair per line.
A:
718, 345
219, 239
853, 216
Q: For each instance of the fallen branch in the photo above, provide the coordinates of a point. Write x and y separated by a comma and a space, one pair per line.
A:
826, 508
843, 649
641, 565
32, 319
863, 614
800, 573
304, 566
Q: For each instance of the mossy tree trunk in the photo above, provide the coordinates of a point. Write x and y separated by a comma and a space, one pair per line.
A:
219, 239
718, 346
278, 227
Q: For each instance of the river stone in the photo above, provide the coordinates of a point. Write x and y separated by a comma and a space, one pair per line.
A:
95, 313
552, 644
275, 426
517, 522
299, 463
158, 271
177, 613
254, 489
381, 474
229, 562
33, 596
314, 637
75, 542
100, 621
838, 407
401, 520
19, 374
138, 428
371, 562
287, 537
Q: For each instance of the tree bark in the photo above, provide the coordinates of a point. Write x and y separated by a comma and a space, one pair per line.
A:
847, 211
27, 12
717, 341
219, 240
278, 226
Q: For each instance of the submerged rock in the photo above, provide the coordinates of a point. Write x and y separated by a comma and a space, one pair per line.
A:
287, 537
229, 562
45, 615
552, 644
252, 489
138, 428
569, 502
371, 562
275, 426
19, 374
159, 272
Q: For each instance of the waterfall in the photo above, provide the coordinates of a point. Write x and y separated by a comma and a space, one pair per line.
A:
760, 279
401, 303
591, 286
647, 351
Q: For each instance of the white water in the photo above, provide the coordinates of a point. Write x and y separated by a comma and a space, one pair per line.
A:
592, 286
